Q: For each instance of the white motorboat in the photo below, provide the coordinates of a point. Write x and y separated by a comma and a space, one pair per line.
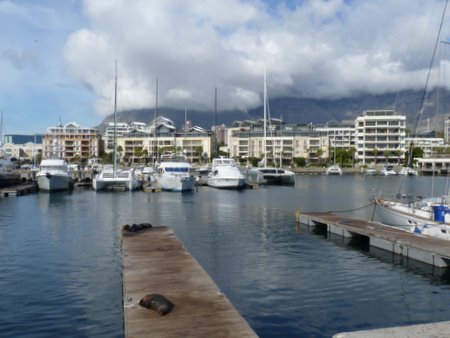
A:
225, 174
334, 169
174, 173
388, 170
54, 175
111, 178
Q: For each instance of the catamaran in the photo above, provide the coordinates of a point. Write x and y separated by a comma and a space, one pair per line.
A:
111, 177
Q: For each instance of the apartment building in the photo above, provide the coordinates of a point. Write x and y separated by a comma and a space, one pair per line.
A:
120, 129
71, 142
281, 143
148, 143
380, 137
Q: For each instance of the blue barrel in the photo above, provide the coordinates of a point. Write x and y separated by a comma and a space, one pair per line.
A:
439, 213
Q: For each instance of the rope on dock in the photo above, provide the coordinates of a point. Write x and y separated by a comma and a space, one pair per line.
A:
359, 208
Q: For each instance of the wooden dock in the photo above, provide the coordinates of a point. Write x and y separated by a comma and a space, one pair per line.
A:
155, 261
18, 190
422, 248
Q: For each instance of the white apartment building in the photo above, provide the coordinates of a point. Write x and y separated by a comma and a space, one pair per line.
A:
380, 137
283, 142
71, 142
121, 129
429, 145
340, 135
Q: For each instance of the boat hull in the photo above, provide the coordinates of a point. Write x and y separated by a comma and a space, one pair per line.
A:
122, 180
176, 183
54, 182
99, 184
271, 176
226, 182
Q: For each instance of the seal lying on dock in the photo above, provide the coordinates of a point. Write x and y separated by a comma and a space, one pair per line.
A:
157, 302
136, 227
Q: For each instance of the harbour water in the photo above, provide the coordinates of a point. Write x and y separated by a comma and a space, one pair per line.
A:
60, 259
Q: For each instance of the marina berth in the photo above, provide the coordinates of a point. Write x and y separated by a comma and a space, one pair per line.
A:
54, 175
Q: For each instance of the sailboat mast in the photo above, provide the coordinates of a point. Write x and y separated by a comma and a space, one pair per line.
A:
115, 127
155, 151
265, 117
214, 140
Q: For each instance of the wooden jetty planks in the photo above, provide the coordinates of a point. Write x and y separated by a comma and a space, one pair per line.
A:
155, 261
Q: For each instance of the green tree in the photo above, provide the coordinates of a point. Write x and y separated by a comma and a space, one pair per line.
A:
319, 154
139, 153
387, 154
145, 155
299, 161
198, 151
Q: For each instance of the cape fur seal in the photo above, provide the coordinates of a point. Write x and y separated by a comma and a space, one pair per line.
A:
157, 302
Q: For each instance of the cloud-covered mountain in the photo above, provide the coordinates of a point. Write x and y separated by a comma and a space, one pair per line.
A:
296, 110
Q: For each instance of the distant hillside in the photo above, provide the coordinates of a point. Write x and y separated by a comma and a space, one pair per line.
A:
295, 110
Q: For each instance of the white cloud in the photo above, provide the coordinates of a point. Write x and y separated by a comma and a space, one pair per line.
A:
314, 49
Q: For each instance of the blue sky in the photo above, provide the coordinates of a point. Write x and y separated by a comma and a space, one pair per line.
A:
57, 57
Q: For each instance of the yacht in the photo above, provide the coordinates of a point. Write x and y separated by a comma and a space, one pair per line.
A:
174, 173
54, 175
334, 169
225, 174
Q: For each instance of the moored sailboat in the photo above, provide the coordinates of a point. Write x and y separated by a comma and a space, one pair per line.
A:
111, 177
430, 215
266, 174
